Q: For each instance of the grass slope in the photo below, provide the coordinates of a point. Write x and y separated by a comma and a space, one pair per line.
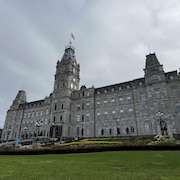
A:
129, 165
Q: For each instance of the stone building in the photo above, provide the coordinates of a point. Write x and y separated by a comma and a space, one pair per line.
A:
0, 134
142, 107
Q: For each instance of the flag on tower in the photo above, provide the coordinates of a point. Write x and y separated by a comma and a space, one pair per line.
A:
72, 36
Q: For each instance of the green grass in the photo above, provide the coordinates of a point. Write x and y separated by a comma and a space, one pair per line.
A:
129, 165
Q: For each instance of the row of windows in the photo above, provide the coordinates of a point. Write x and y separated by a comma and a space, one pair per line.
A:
82, 117
26, 135
83, 93
54, 118
41, 122
35, 114
128, 130
113, 100
120, 88
56, 106
114, 112
82, 106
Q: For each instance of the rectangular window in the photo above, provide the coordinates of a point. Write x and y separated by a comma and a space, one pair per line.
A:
82, 118
55, 107
118, 131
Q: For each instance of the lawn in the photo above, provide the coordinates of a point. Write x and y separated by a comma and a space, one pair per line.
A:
140, 165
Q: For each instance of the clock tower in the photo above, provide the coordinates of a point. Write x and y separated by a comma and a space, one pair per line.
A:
66, 80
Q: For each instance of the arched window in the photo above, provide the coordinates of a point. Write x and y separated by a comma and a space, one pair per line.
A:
40, 133
102, 132
118, 131
77, 131
110, 132
83, 93
62, 106
69, 131
127, 130
82, 132
132, 129
61, 118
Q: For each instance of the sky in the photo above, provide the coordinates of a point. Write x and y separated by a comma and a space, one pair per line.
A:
111, 41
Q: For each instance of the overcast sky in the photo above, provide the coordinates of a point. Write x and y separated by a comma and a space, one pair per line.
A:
112, 39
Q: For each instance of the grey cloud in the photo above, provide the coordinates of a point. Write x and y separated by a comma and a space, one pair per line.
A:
112, 38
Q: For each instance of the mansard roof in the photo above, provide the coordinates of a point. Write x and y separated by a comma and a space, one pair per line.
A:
135, 83
124, 85
32, 104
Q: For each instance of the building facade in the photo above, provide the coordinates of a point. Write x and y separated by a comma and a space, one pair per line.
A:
142, 107
0, 134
